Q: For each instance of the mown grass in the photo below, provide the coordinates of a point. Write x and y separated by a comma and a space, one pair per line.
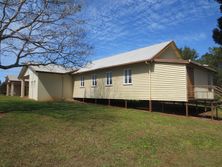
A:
75, 134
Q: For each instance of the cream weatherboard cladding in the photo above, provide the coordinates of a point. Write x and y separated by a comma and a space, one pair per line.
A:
138, 90
168, 82
33, 84
54, 86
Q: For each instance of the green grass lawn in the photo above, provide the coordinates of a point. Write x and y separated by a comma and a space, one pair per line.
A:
74, 134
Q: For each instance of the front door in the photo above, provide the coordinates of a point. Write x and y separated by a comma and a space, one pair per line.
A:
190, 82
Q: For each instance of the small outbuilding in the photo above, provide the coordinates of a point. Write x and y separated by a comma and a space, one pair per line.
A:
13, 86
51, 82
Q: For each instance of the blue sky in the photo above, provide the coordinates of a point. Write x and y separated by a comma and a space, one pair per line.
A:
115, 26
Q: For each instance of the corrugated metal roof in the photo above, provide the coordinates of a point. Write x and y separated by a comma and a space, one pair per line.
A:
51, 68
12, 78
138, 55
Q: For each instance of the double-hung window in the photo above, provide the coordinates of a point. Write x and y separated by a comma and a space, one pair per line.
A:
94, 82
82, 81
109, 80
127, 76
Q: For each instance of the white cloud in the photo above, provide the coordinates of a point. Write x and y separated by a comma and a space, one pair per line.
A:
192, 37
115, 23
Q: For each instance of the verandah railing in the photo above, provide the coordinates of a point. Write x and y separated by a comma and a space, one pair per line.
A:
205, 92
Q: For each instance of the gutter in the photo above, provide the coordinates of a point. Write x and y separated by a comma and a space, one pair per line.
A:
200, 65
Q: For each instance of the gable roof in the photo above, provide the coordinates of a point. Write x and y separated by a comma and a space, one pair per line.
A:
138, 55
51, 68
12, 78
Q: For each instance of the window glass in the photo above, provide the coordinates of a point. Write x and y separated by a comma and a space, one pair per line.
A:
82, 81
109, 78
127, 76
94, 82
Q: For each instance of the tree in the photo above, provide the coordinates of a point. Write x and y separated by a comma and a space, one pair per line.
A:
217, 32
41, 32
2, 88
188, 53
214, 59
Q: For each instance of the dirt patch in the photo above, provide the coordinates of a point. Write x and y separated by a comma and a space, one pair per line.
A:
138, 134
1, 114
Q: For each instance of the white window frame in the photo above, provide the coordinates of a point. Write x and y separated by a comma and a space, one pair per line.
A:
82, 82
109, 78
94, 80
127, 77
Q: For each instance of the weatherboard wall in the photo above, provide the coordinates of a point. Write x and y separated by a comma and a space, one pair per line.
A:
168, 82
54, 86
138, 90
33, 84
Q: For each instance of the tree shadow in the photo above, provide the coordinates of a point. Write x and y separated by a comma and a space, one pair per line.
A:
67, 111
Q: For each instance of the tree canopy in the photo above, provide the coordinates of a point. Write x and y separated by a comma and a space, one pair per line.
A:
213, 58
41, 32
217, 32
188, 53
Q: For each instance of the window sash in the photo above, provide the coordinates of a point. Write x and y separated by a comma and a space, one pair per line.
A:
94, 82
82, 81
109, 78
127, 76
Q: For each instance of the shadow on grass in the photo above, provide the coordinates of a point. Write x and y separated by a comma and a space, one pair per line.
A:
170, 108
70, 111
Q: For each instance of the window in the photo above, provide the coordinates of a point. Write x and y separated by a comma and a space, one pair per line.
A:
94, 82
127, 76
109, 78
82, 81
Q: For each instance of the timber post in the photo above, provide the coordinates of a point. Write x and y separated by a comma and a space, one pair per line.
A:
162, 105
12, 89
150, 105
125, 103
205, 106
7, 90
216, 113
212, 110
187, 109
22, 88
196, 107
